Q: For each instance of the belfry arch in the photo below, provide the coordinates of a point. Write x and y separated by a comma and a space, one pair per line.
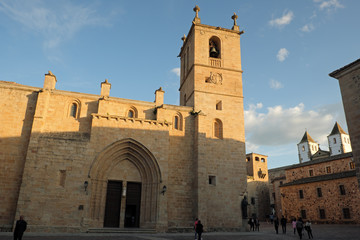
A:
123, 156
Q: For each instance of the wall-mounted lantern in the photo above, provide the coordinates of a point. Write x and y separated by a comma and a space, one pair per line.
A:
86, 184
163, 190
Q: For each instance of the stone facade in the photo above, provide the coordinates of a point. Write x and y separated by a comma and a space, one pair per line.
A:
75, 161
329, 195
324, 188
276, 179
257, 186
349, 82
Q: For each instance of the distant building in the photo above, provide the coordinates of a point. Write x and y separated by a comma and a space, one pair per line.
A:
339, 143
349, 82
276, 179
323, 188
257, 185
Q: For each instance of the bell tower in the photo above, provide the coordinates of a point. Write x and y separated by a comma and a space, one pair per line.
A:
211, 83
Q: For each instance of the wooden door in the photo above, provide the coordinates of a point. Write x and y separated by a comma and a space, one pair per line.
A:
113, 204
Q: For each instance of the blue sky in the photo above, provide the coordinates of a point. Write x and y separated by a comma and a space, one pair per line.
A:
288, 50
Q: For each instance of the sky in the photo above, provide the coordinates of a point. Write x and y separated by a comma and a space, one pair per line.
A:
288, 49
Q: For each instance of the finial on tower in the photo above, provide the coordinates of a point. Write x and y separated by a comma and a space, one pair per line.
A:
235, 27
196, 10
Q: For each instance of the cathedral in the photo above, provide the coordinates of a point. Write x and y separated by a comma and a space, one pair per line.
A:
78, 162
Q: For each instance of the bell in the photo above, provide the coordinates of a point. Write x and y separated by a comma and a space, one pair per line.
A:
213, 50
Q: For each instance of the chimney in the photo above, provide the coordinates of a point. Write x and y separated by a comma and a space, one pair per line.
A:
50, 81
159, 97
105, 88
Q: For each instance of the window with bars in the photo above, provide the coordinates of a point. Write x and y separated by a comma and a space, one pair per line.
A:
303, 214
301, 194
342, 190
322, 213
346, 213
319, 192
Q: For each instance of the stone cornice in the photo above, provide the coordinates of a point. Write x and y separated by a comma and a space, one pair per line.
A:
133, 120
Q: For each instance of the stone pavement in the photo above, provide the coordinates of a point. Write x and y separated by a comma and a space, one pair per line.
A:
267, 232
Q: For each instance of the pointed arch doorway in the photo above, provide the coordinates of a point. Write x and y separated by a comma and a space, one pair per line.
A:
125, 180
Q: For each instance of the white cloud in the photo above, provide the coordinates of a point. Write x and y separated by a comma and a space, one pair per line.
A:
329, 4
286, 18
176, 71
279, 126
307, 28
275, 84
56, 23
282, 54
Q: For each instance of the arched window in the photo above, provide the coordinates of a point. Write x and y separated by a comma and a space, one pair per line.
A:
303, 148
218, 129
334, 140
214, 47
177, 121
132, 113
73, 110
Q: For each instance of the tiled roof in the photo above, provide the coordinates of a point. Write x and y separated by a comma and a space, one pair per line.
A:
334, 73
320, 178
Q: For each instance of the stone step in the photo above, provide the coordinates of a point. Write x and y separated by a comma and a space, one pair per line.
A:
120, 230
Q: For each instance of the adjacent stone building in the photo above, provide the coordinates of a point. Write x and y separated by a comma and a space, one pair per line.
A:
323, 186
76, 162
257, 186
349, 82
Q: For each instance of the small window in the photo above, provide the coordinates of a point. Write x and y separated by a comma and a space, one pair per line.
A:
352, 165
281, 183
248, 159
212, 180
346, 213
256, 158
311, 172
319, 192
322, 213
303, 148
219, 105
262, 159
73, 110
176, 122
334, 140
131, 114
218, 129
62, 178
303, 214
342, 190
253, 201
328, 169
301, 194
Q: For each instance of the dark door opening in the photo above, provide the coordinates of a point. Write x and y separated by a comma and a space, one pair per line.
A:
113, 204
133, 199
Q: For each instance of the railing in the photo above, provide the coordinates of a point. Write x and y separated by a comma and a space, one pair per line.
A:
215, 62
